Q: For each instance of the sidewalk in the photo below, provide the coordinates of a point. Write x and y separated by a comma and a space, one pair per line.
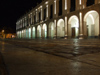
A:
3, 69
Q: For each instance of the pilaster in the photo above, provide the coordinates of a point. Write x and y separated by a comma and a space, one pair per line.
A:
66, 27
55, 34
80, 25
41, 31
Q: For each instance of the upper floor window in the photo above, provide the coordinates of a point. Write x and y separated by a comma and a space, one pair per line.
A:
39, 16
73, 5
34, 19
60, 7
51, 11
31, 18
44, 13
90, 2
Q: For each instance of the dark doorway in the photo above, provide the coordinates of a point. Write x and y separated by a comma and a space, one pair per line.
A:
90, 2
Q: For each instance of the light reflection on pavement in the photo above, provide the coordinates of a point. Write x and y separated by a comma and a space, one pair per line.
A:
33, 58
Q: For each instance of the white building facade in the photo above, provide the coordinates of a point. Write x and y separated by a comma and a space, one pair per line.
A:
61, 19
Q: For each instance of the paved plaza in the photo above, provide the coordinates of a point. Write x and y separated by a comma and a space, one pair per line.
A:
51, 57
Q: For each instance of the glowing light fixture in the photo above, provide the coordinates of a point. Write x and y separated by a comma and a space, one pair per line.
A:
46, 2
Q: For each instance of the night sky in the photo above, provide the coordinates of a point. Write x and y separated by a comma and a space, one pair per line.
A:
12, 10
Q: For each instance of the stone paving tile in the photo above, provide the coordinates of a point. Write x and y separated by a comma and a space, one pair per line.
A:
66, 48
85, 51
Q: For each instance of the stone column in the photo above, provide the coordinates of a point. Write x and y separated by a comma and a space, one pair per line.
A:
47, 31
31, 32
80, 26
55, 34
80, 4
47, 12
56, 8
41, 31
41, 13
65, 3
66, 27
85, 30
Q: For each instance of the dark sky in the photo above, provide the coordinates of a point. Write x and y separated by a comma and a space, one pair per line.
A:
12, 10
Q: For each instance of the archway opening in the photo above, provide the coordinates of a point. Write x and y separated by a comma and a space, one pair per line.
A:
60, 28
39, 31
91, 24
73, 26
44, 30
51, 29
33, 32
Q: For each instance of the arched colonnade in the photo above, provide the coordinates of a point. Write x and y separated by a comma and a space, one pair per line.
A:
90, 27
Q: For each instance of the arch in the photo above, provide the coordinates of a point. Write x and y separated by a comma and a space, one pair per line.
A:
51, 29
39, 31
91, 23
60, 28
33, 32
73, 26
44, 30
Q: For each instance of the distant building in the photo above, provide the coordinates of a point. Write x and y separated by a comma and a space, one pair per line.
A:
61, 18
7, 35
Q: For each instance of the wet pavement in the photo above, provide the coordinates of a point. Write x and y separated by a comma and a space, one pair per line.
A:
51, 57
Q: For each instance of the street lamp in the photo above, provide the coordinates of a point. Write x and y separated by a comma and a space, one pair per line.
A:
3, 31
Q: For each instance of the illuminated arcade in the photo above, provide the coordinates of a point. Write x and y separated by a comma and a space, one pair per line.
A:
61, 19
